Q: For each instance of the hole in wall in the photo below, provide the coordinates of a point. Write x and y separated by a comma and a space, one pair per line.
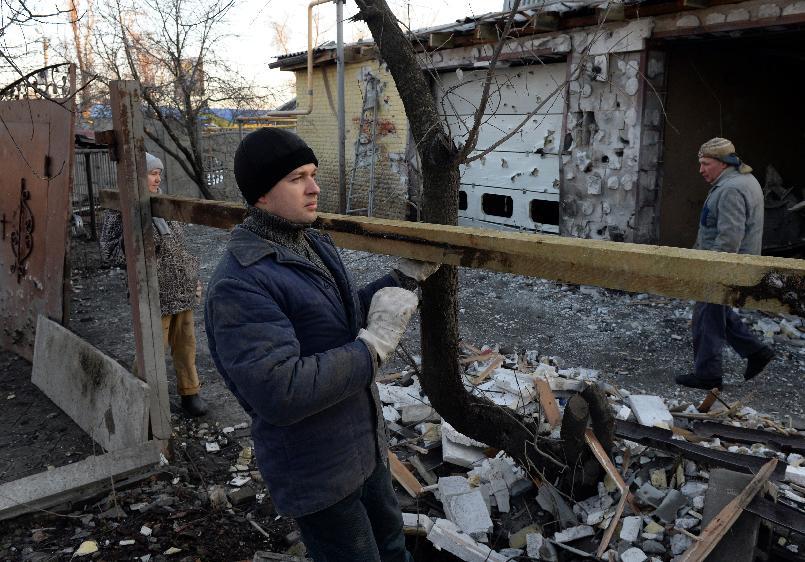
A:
497, 205
544, 212
605, 159
462, 200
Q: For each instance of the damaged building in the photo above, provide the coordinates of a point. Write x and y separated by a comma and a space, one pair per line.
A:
622, 95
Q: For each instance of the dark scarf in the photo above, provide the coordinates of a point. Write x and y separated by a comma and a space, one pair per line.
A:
285, 233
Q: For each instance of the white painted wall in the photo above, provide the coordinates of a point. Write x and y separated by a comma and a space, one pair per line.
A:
526, 166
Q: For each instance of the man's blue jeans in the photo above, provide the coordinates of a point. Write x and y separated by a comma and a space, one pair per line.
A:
713, 324
366, 526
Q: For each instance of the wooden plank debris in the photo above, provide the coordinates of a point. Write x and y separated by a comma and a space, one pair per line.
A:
75, 481
103, 398
708, 401
738, 545
548, 402
675, 272
718, 527
402, 475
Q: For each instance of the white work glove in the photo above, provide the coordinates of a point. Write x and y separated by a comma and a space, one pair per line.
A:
389, 314
417, 270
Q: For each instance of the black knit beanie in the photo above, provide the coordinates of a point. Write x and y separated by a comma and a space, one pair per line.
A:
265, 156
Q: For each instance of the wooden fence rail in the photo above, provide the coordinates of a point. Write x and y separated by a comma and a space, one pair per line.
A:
765, 283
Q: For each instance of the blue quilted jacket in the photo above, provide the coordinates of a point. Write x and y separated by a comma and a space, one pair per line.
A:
282, 335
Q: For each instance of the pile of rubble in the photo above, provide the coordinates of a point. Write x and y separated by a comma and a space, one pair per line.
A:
654, 504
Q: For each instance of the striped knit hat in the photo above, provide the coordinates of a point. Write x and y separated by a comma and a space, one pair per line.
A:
724, 151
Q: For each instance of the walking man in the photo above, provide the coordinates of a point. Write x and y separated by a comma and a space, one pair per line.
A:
731, 221
299, 348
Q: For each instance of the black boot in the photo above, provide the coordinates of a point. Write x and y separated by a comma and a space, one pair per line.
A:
692, 380
757, 362
193, 405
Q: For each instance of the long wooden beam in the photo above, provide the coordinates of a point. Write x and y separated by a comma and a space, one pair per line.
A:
772, 284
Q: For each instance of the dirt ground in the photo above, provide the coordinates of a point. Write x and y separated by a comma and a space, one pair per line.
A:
638, 342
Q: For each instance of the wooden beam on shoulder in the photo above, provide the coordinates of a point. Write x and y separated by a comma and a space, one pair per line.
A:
765, 283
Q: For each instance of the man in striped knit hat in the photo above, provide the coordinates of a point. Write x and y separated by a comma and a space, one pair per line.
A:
731, 221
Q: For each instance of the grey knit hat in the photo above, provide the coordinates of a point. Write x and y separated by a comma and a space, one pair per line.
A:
152, 162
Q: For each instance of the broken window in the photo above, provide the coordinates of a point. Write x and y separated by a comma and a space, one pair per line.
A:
544, 212
497, 205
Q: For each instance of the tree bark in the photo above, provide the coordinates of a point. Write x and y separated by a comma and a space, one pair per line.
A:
441, 377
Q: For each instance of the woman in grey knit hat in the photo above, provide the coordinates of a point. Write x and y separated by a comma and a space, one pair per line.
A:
179, 289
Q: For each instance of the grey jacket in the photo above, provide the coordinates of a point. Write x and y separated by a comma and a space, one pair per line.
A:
732, 216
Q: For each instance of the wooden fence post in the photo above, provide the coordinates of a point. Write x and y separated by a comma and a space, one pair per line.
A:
141, 264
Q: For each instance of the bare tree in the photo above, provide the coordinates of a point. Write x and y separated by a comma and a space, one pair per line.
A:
441, 377
169, 47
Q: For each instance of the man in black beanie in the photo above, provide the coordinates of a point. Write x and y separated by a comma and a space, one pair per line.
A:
299, 346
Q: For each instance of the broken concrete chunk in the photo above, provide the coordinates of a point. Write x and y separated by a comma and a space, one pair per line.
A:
446, 535
551, 501
415, 521
669, 507
651, 411
574, 533
652, 547
449, 432
795, 474
452, 485
658, 478
633, 554
630, 528
460, 455
391, 414
693, 488
417, 413
680, 543
648, 494
534, 542
470, 513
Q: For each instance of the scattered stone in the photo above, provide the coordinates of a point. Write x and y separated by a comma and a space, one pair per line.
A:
446, 535
648, 494
653, 547
658, 478
144, 530
634, 554
630, 528
242, 495
86, 548
417, 413
573, 533
692, 489
686, 523
680, 543
127, 542
669, 507
172, 550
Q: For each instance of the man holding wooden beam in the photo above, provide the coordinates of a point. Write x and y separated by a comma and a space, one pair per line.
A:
299, 347
731, 221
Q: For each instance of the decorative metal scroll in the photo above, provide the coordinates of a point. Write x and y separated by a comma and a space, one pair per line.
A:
22, 240
52, 82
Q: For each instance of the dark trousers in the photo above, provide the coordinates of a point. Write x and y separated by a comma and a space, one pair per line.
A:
713, 324
366, 526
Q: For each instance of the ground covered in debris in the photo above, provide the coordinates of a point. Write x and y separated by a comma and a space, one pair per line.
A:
208, 503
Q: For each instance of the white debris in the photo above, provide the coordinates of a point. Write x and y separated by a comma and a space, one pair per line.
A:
400, 396
86, 548
795, 474
650, 411
239, 481
212, 447
446, 535
623, 412
573, 533
418, 413
470, 513
680, 543
415, 521
146, 531
449, 432
452, 485
630, 529
390, 414
693, 488
633, 554
767, 327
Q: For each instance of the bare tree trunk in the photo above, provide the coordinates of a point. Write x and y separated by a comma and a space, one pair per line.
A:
441, 378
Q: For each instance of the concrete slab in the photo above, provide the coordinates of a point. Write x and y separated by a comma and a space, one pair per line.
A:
446, 535
651, 411
101, 396
738, 545
470, 513
630, 528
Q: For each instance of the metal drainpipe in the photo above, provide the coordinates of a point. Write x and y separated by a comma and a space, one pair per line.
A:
292, 112
342, 160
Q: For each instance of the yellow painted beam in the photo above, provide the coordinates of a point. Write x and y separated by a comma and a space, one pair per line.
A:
766, 283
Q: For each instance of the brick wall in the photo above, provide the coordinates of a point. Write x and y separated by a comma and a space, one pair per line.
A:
320, 131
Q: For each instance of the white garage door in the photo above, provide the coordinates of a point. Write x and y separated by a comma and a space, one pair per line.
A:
516, 186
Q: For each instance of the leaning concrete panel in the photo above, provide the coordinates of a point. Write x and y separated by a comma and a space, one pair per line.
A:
102, 397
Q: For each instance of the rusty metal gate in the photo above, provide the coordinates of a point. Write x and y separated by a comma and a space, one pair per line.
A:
36, 155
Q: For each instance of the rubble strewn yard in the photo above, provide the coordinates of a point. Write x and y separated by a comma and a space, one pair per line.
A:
209, 503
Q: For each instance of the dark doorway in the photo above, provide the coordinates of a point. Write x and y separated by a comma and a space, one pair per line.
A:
747, 89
